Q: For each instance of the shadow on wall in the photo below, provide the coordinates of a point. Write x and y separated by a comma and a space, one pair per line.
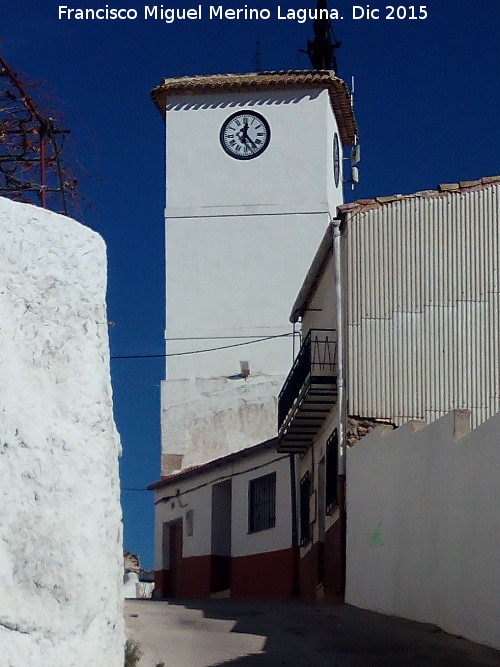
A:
206, 101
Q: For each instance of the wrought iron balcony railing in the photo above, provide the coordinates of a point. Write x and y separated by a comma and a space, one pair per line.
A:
309, 391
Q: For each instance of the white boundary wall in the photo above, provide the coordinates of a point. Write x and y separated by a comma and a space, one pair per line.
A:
424, 524
61, 562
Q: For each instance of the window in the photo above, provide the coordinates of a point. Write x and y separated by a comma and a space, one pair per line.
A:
332, 453
305, 494
262, 503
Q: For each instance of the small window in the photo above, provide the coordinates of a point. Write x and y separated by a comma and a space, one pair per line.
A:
262, 503
305, 495
332, 453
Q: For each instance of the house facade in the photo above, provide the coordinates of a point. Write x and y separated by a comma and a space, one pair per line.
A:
399, 315
226, 528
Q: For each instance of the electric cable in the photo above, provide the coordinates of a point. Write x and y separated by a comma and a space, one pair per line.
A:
212, 349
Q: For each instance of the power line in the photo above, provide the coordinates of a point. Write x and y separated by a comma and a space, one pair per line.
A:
212, 349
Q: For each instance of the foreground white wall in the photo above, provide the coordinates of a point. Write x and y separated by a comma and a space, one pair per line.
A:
423, 525
60, 532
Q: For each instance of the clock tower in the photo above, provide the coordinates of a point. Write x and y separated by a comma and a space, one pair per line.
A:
254, 175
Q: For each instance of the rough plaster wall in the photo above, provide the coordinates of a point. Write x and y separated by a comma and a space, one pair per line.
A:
423, 524
216, 416
60, 521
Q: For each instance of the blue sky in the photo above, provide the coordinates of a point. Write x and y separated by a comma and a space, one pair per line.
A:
426, 102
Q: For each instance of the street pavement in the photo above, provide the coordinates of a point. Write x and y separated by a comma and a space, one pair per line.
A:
266, 633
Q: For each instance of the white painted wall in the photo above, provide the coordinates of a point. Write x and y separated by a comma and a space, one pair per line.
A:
272, 539
209, 418
423, 525
321, 311
195, 493
60, 519
235, 277
293, 173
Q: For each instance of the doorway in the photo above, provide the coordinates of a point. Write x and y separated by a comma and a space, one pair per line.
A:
172, 559
221, 537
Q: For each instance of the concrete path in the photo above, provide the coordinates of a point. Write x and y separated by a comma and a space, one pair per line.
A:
246, 633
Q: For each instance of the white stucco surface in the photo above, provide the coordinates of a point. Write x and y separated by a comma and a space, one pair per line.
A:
423, 525
211, 417
60, 532
295, 171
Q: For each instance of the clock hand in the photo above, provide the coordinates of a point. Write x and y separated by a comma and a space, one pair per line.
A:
242, 135
245, 138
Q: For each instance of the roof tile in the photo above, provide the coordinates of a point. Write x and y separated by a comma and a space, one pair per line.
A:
444, 189
298, 79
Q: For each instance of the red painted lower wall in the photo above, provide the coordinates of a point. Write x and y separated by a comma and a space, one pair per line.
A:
334, 561
264, 575
325, 563
195, 577
309, 573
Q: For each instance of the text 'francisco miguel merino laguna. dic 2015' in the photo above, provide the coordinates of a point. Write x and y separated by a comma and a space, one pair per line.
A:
212, 12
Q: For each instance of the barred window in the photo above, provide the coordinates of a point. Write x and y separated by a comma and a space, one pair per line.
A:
332, 452
262, 503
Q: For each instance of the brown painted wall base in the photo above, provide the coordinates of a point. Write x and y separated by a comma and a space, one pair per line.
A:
266, 575
334, 561
330, 573
194, 579
308, 573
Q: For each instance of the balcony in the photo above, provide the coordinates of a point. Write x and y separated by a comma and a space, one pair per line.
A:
309, 392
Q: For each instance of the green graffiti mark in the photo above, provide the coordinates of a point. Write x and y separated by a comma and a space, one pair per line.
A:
377, 540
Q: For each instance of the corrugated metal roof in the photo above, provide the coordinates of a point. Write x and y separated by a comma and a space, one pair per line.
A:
260, 81
423, 303
364, 205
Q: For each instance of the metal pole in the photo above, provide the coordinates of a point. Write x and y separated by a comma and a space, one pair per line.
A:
340, 343
43, 194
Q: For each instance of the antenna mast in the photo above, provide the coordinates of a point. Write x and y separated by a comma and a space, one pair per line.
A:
257, 58
321, 49
30, 148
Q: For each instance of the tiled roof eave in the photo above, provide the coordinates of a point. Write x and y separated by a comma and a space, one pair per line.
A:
295, 79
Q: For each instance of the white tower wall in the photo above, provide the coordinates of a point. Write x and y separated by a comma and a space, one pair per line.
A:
240, 236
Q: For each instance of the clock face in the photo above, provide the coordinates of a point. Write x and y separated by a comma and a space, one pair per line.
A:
336, 159
245, 135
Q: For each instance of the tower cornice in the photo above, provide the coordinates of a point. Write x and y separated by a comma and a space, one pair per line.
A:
262, 81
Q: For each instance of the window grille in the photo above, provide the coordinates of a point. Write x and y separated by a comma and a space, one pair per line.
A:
262, 503
305, 494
